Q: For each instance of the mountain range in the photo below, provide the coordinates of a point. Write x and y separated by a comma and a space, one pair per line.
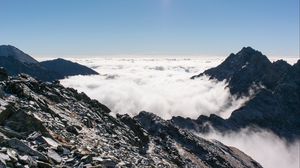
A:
44, 124
16, 61
275, 105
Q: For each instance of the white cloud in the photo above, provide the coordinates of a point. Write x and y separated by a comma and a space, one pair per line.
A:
263, 146
162, 86
159, 85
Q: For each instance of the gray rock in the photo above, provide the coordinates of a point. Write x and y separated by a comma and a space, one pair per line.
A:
2, 164
27, 160
41, 164
54, 156
4, 157
87, 159
21, 146
12, 154
50, 142
108, 163
72, 129
87, 122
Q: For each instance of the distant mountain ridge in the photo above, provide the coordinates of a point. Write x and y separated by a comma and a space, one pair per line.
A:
16, 61
274, 107
11, 51
67, 68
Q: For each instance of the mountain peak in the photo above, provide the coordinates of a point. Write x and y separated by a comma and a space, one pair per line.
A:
245, 68
248, 50
248, 54
12, 51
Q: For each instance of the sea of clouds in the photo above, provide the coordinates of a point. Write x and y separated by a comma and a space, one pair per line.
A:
163, 86
263, 146
158, 85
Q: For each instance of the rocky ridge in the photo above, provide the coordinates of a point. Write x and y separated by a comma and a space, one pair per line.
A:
246, 69
44, 124
275, 106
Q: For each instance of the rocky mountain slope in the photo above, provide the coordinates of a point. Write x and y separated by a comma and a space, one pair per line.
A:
275, 107
247, 68
16, 61
47, 125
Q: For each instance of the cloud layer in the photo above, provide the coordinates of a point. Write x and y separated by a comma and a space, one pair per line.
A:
159, 85
162, 86
263, 146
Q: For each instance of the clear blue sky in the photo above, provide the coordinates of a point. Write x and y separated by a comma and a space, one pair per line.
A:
201, 27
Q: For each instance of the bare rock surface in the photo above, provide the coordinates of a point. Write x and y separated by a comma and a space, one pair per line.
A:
48, 125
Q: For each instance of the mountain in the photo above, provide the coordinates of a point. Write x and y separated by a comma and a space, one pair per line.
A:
48, 125
248, 68
15, 67
275, 107
16, 61
67, 68
11, 51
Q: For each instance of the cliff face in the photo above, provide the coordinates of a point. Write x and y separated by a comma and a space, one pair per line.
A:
275, 107
45, 124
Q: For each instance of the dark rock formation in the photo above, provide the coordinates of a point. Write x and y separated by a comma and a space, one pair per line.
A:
67, 68
3, 74
247, 68
15, 62
275, 107
47, 125
15, 67
11, 51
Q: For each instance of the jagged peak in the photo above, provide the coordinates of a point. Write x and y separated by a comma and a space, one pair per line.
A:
148, 116
248, 50
249, 54
246, 56
298, 63
281, 64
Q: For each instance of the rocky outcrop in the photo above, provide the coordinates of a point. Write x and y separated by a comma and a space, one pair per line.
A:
274, 107
47, 125
183, 146
16, 61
